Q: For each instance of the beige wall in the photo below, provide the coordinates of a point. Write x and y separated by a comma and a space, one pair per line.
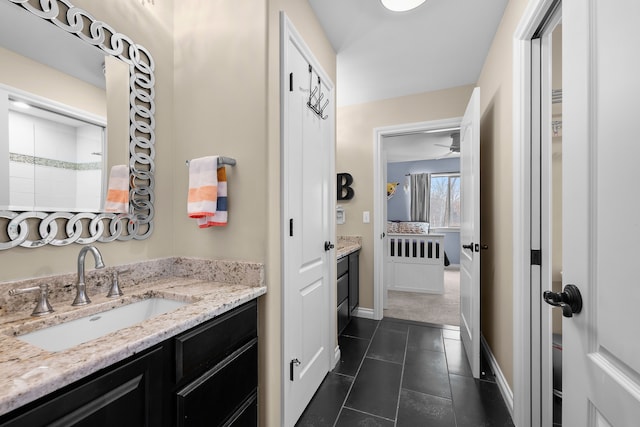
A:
22, 73
496, 154
354, 155
150, 26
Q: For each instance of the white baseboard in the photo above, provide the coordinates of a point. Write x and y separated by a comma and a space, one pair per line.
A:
336, 357
365, 313
503, 385
417, 290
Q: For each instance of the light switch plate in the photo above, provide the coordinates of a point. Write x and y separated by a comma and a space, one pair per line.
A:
365, 217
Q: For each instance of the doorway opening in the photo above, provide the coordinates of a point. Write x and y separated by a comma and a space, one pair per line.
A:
423, 198
383, 139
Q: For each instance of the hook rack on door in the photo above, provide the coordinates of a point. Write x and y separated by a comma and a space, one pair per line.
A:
316, 96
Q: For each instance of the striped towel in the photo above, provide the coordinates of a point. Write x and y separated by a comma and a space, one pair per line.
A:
220, 217
118, 190
207, 201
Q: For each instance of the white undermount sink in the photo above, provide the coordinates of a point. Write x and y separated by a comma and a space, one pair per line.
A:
69, 334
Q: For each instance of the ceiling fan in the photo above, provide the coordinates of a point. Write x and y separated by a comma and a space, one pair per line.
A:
454, 147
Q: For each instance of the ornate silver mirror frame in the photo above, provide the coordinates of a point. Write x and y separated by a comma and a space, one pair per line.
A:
83, 227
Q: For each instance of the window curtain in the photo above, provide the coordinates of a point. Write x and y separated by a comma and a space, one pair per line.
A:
420, 195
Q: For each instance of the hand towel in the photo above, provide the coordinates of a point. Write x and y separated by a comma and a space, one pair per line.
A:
219, 219
203, 187
118, 190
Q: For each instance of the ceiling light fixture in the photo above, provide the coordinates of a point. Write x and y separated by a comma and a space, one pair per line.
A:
401, 5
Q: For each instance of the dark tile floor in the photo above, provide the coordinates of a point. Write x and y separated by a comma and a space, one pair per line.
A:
395, 373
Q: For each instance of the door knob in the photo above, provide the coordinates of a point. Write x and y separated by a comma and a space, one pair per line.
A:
328, 246
570, 300
469, 246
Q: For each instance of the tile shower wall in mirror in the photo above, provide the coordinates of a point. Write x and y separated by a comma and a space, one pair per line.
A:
56, 162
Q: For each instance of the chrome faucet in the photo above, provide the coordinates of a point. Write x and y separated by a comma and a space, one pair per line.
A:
81, 294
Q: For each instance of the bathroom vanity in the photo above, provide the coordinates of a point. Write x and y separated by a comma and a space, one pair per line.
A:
195, 365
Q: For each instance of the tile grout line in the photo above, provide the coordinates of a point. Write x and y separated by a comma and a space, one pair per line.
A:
404, 360
356, 374
446, 359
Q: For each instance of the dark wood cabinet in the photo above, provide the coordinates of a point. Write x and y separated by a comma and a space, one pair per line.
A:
207, 376
129, 394
348, 288
217, 371
207, 344
221, 392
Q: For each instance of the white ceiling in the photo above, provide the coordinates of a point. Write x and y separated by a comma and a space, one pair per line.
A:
384, 54
418, 146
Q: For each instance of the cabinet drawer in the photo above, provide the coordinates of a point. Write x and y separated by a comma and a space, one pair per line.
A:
206, 345
220, 392
247, 415
343, 288
343, 266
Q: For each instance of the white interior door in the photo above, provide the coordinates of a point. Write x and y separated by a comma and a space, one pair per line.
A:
308, 218
601, 201
470, 232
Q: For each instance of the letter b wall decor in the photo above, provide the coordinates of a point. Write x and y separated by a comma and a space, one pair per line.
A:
345, 192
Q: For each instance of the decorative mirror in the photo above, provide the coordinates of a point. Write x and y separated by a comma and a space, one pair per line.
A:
45, 223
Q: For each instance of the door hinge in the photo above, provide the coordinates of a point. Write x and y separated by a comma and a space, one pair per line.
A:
290, 82
536, 257
291, 227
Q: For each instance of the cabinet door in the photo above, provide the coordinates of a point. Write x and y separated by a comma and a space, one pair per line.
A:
343, 288
354, 281
343, 316
127, 395
213, 398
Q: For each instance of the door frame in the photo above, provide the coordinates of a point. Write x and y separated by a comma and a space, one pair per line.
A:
532, 369
379, 186
288, 33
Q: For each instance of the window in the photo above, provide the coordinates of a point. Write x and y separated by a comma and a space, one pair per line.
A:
445, 201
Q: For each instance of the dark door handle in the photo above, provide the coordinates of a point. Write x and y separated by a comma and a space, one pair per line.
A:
570, 300
328, 246
484, 247
469, 246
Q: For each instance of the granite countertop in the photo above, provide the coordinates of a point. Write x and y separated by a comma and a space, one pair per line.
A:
347, 245
28, 372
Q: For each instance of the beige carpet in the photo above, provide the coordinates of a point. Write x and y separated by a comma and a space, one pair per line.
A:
439, 309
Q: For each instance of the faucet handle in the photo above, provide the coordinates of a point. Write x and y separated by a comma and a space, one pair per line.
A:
42, 305
115, 290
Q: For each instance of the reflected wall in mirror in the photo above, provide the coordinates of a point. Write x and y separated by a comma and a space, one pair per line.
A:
62, 61
54, 155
